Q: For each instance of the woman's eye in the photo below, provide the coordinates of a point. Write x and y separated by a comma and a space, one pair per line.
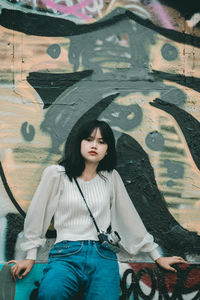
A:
88, 139
102, 142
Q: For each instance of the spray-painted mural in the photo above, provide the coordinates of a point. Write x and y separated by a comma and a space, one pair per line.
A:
135, 64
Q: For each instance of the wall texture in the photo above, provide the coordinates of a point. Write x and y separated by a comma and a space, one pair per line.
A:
133, 63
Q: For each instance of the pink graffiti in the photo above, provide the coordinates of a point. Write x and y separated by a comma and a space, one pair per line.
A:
161, 14
70, 10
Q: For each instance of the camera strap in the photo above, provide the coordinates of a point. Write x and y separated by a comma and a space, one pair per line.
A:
91, 215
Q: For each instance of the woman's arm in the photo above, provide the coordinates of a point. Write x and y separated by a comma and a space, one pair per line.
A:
41, 211
19, 266
38, 218
127, 222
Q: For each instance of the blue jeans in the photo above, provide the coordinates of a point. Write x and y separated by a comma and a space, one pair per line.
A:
80, 270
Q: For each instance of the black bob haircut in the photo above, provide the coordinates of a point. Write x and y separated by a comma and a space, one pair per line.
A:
72, 160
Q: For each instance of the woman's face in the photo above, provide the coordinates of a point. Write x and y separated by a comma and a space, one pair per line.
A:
93, 148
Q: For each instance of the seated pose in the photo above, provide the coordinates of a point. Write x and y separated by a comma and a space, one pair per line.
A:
85, 195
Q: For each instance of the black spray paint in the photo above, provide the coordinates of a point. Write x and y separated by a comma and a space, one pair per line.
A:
50, 86
188, 81
157, 278
15, 224
138, 176
41, 25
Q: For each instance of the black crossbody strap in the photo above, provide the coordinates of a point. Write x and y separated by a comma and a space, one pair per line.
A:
91, 215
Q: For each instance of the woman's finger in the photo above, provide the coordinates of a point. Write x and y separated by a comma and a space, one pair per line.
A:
18, 272
180, 259
18, 276
25, 272
172, 269
11, 262
13, 268
183, 260
16, 269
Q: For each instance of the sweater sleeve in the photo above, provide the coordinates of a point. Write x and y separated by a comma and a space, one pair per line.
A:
41, 211
127, 222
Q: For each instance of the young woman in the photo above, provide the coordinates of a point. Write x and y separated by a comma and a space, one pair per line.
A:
78, 263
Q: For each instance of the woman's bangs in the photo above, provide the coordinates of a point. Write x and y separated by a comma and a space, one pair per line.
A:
104, 134
92, 126
87, 131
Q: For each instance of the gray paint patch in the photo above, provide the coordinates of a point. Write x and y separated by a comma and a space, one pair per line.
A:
174, 169
174, 96
146, 2
127, 117
169, 52
155, 141
54, 51
170, 183
27, 131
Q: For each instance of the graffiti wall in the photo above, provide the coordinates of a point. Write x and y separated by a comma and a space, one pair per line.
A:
132, 63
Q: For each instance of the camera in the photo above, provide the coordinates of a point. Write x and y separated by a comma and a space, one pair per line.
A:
110, 240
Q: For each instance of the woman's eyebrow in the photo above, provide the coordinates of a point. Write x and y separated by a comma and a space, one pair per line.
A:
100, 139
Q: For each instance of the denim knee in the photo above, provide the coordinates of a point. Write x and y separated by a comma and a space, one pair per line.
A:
52, 293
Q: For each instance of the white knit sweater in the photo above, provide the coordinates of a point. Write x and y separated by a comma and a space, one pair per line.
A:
108, 200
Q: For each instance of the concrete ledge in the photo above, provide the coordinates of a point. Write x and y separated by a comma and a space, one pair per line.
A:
21, 289
138, 281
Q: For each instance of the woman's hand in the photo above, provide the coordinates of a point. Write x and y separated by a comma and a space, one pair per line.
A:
166, 262
19, 266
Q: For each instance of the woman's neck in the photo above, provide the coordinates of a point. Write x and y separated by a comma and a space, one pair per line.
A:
89, 172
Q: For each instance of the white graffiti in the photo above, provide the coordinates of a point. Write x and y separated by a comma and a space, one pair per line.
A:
195, 19
95, 8
137, 9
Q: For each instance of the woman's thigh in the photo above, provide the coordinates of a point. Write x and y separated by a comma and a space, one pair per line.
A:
60, 282
104, 282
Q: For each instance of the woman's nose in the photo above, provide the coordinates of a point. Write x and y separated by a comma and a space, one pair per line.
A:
94, 144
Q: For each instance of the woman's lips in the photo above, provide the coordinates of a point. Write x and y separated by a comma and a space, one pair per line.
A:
92, 153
